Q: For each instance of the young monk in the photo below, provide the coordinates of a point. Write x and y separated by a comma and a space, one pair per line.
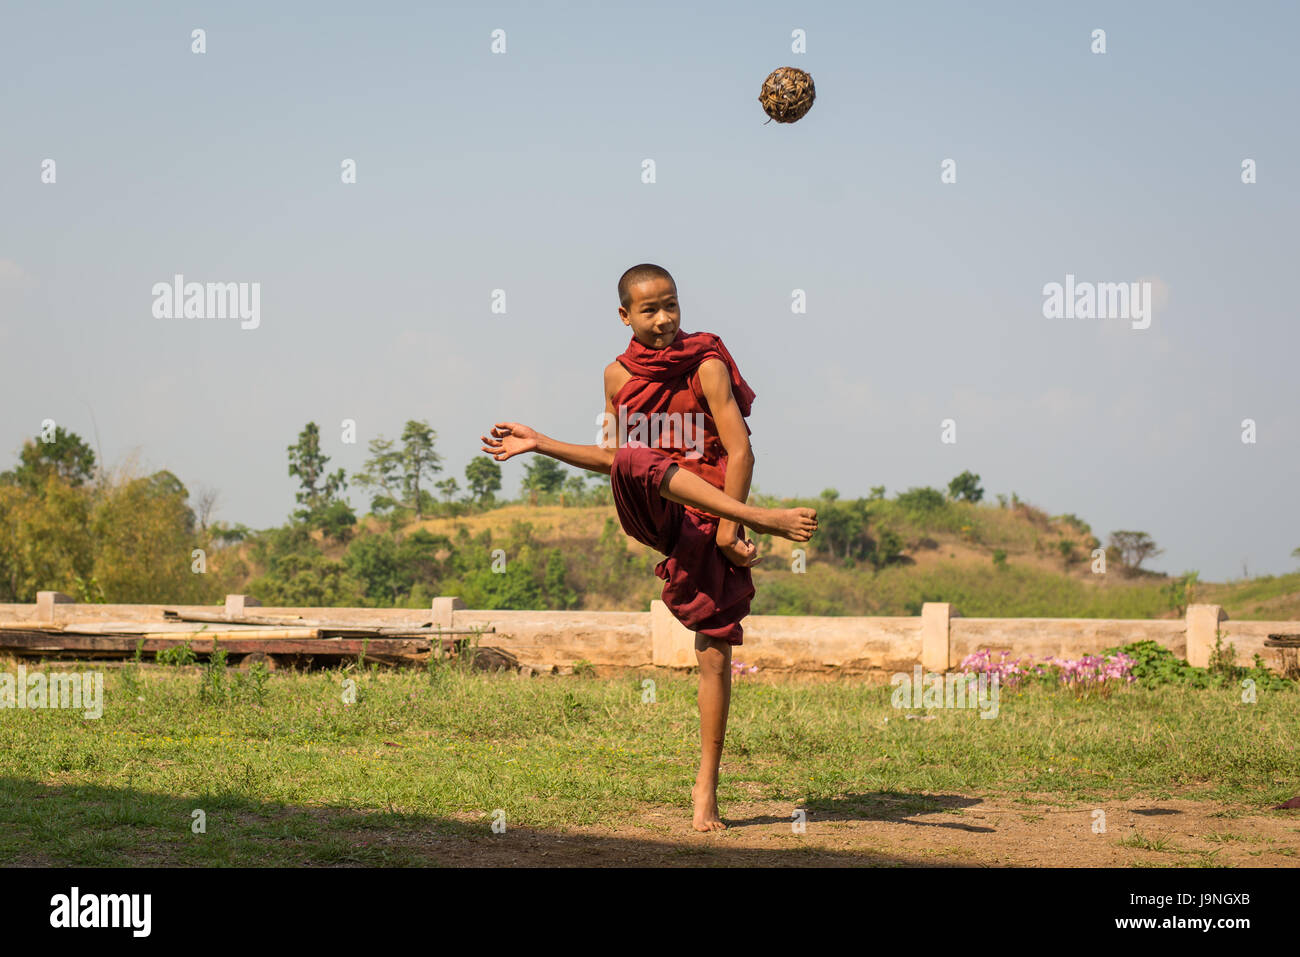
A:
676, 448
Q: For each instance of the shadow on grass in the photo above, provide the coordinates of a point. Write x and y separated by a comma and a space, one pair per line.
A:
894, 806
96, 826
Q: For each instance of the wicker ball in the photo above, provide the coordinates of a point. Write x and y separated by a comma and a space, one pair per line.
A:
787, 94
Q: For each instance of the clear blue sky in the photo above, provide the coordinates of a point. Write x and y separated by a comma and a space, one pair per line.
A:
522, 172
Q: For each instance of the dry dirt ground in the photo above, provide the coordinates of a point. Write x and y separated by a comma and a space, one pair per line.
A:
952, 831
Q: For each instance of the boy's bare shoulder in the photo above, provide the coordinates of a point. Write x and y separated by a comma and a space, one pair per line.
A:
615, 377
714, 372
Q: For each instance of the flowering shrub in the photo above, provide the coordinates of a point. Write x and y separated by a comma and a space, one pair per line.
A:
1009, 673
1093, 672
1082, 676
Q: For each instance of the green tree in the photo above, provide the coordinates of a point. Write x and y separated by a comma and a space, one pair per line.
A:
842, 529
305, 579
1181, 591
145, 536
372, 560
337, 520
419, 461
484, 477
395, 476
888, 548
448, 487
966, 487
543, 474
555, 585
45, 538
574, 490
1134, 548
382, 475
391, 569
66, 456
483, 583
307, 463
610, 569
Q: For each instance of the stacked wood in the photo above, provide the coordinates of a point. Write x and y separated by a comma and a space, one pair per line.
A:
237, 635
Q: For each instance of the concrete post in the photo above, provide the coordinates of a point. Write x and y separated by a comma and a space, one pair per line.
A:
1202, 622
45, 602
444, 612
236, 605
672, 644
936, 636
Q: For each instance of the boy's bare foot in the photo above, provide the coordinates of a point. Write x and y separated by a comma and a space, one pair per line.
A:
706, 809
796, 524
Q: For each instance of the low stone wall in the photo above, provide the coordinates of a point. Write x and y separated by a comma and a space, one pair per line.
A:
938, 639
1062, 637
545, 638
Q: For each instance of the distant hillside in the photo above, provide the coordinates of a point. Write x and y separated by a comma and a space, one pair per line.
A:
944, 552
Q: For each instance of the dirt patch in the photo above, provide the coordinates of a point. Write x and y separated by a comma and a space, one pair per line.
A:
902, 831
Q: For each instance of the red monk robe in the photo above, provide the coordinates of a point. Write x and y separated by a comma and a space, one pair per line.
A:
705, 591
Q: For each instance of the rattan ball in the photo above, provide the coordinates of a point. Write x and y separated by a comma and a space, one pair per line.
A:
787, 94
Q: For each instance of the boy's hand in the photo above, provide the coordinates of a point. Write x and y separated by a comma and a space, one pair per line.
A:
508, 440
740, 551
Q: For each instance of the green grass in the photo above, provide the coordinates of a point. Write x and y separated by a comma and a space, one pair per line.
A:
303, 778
1161, 843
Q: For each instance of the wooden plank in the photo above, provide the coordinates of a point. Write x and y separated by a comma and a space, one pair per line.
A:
42, 641
351, 628
282, 621
268, 633
172, 628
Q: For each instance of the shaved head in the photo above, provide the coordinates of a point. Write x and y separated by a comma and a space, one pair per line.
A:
638, 274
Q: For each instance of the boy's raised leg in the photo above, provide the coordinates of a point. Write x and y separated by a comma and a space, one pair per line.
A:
714, 699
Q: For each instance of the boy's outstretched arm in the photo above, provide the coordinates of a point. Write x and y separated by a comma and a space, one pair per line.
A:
509, 439
715, 381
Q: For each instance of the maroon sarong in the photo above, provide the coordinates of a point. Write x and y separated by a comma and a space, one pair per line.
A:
703, 590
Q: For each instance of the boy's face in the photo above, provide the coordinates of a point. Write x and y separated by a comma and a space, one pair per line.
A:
653, 313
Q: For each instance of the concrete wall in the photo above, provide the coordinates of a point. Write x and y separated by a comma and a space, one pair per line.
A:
938, 639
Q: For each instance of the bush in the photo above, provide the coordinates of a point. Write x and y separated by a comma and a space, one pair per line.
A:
1156, 665
176, 655
212, 685
921, 501
966, 487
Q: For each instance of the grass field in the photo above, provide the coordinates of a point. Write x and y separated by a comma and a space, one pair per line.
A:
586, 771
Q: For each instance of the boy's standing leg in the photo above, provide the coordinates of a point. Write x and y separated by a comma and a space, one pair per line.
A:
714, 697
